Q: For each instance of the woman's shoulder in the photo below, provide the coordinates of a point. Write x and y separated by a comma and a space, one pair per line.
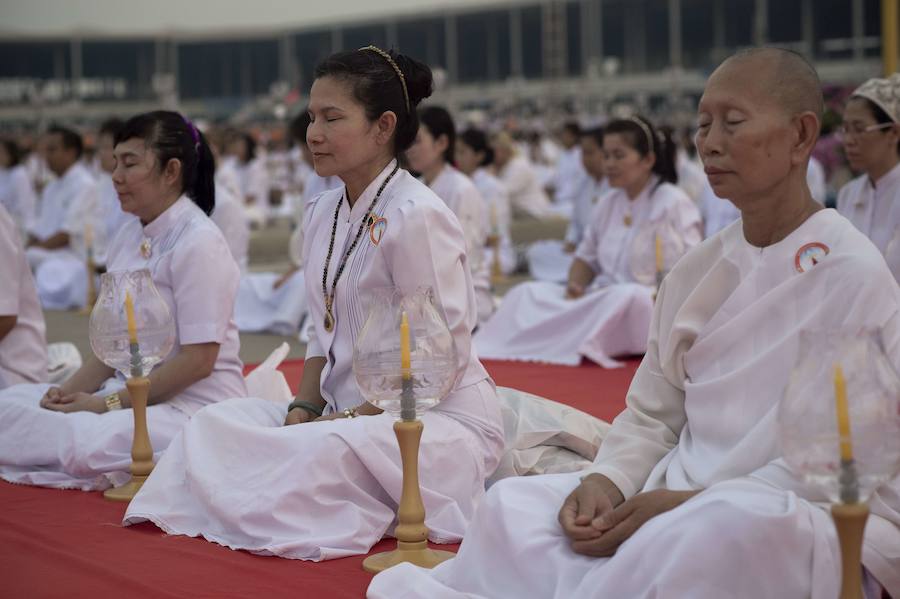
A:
669, 192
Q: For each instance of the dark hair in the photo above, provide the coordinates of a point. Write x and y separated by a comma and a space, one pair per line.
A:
250, 143
111, 127
595, 133
878, 113
70, 139
14, 151
170, 136
641, 140
376, 85
439, 122
298, 127
478, 141
572, 127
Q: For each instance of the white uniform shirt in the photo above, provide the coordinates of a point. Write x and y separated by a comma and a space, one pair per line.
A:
873, 209
466, 202
815, 179
254, 181
199, 286
23, 352
496, 198
66, 204
17, 195
230, 216
691, 178
525, 192
314, 185
590, 191
570, 176
608, 242
422, 245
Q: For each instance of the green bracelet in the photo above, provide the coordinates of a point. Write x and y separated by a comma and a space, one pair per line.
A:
305, 405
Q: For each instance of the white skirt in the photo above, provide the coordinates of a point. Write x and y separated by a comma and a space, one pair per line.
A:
537, 323
740, 538
259, 307
81, 450
237, 477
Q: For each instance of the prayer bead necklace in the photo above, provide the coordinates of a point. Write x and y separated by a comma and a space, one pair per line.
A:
329, 297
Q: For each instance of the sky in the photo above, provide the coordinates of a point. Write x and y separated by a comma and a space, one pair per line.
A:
129, 17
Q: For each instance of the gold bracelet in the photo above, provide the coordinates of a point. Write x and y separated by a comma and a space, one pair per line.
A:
113, 402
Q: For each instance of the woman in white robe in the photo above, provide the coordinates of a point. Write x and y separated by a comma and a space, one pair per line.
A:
474, 158
871, 136
689, 495
551, 259
77, 435
432, 155
16, 191
23, 348
252, 177
526, 194
605, 309
331, 486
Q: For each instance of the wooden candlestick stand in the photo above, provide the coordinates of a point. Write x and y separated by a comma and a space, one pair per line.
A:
91, 298
496, 268
850, 522
141, 450
411, 532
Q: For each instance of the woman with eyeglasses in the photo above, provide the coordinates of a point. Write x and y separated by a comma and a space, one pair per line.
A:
871, 137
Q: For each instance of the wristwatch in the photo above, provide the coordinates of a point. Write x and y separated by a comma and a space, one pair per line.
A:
113, 402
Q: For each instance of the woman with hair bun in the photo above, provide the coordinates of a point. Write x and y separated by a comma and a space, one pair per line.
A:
78, 435
321, 478
635, 233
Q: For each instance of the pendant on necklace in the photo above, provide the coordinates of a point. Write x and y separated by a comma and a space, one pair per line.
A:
329, 320
627, 220
146, 249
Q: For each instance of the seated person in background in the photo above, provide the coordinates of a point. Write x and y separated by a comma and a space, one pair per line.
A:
431, 155
871, 137
636, 232
16, 190
526, 195
76, 435
569, 175
23, 349
474, 158
57, 236
689, 495
550, 260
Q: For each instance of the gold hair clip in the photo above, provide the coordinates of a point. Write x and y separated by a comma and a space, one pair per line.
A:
393, 64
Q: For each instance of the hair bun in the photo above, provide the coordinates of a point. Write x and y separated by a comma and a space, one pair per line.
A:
419, 81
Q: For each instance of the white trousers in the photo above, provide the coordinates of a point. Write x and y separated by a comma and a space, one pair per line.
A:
81, 450
740, 538
259, 307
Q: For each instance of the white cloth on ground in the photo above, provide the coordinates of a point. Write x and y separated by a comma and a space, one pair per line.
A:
701, 415
208, 483
23, 351
536, 322
198, 285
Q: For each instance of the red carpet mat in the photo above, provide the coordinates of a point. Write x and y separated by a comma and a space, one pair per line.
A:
70, 544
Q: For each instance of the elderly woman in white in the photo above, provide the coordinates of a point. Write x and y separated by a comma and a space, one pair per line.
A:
78, 435
330, 468
636, 232
689, 495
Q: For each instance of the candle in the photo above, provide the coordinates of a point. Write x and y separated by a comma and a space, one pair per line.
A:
659, 254
129, 313
405, 360
843, 417
88, 236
